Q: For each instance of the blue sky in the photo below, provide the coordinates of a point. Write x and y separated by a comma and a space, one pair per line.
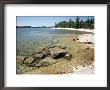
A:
44, 20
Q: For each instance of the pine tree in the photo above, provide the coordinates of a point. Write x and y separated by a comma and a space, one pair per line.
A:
77, 24
81, 24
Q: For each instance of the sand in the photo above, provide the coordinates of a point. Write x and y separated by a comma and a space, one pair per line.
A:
81, 29
87, 38
84, 70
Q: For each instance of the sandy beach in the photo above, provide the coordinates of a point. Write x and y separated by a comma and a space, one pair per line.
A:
81, 29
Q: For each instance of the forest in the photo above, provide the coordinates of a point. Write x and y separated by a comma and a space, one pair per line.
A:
78, 23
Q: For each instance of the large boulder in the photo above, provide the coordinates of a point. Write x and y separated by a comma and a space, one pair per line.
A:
58, 54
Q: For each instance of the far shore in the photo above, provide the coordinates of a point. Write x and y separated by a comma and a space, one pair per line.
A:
80, 29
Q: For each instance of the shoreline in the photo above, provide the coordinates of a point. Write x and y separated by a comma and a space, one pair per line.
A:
85, 38
81, 47
81, 29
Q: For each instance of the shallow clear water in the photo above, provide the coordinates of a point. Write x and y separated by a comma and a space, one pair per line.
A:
31, 39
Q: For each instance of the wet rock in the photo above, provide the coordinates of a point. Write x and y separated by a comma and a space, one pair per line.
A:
39, 56
88, 48
51, 46
37, 64
88, 42
77, 38
76, 67
60, 72
74, 39
38, 52
45, 51
28, 60
58, 54
68, 56
53, 37
62, 47
41, 64
45, 63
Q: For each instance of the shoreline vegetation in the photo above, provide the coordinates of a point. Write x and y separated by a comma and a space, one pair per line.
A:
72, 54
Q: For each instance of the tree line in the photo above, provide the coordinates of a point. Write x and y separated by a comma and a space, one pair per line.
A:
88, 24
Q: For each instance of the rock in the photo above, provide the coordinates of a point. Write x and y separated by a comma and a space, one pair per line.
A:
74, 39
39, 56
28, 60
55, 40
45, 63
38, 64
88, 48
58, 54
53, 37
60, 72
77, 38
51, 46
88, 42
62, 47
38, 52
41, 64
68, 56
45, 51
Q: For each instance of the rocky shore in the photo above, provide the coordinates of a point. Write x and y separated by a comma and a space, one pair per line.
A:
72, 54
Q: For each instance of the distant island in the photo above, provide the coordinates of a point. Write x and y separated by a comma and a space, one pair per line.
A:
32, 27
23, 26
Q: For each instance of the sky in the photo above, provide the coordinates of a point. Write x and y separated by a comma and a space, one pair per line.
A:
37, 21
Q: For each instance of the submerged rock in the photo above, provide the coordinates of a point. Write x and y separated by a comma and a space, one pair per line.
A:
62, 47
53, 37
51, 46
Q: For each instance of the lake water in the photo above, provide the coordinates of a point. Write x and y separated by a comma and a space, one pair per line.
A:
31, 39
